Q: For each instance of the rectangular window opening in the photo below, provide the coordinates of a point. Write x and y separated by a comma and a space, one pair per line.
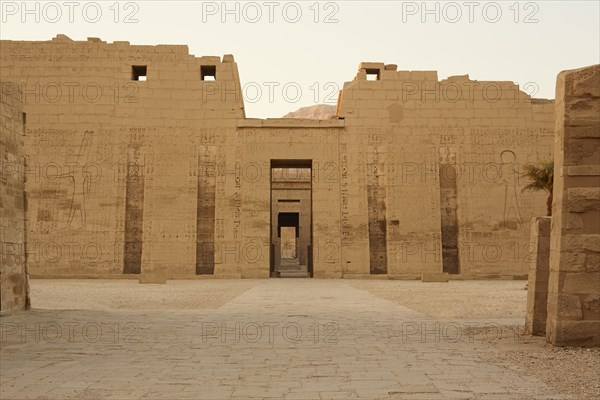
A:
208, 72
373, 74
139, 73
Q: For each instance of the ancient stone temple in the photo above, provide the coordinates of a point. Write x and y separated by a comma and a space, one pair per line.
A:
140, 159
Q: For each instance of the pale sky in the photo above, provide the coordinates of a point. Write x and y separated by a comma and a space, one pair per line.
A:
289, 44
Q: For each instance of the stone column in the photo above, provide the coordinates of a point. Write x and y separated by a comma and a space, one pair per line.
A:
14, 284
539, 271
574, 288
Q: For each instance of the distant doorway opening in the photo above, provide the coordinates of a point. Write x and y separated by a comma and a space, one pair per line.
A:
289, 227
291, 219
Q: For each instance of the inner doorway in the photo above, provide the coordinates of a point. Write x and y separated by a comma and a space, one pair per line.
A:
291, 219
289, 227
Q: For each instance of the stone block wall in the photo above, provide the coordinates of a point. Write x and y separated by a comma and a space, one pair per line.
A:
268, 140
117, 137
574, 289
448, 155
138, 164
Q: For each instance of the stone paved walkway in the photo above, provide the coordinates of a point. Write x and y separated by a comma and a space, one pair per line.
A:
282, 339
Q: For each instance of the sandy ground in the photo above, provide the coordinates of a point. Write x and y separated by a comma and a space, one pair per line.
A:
455, 299
575, 373
100, 294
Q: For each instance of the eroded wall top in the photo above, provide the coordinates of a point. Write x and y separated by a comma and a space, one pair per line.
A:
160, 85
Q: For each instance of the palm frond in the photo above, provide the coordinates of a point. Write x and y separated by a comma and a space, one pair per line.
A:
540, 175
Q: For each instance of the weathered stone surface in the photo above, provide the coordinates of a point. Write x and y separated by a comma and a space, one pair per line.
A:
585, 170
592, 262
539, 272
573, 317
566, 306
581, 200
573, 333
585, 282
169, 172
592, 304
14, 286
574, 222
573, 262
582, 243
237, 345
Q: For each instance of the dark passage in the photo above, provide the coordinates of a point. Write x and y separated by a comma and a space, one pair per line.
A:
450, 260
205, 211
134, 212
376, 212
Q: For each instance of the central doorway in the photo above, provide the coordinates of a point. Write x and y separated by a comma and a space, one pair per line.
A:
291, 219
289, 227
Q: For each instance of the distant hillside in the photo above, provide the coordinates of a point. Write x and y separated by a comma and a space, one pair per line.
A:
319, 111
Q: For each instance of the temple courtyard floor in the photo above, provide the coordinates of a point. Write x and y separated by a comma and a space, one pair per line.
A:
284, 339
